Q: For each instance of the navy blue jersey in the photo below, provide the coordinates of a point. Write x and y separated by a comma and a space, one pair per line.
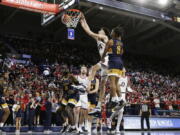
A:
93, 84
116, 50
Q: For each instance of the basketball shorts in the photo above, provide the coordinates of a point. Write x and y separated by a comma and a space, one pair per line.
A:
73, 99
64, 100
104, 70
3, 103
115, 68
92, 99
83, 102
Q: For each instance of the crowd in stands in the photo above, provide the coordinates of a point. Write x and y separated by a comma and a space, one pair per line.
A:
62, 52
27, 86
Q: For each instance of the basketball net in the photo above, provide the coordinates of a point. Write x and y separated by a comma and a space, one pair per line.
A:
71, 19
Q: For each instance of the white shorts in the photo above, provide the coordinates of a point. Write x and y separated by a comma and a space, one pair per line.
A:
104, 70
83, 102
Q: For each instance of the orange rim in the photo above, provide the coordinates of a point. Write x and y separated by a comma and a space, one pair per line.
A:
75, 10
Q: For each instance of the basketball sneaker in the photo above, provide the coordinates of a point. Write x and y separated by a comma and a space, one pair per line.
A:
120, 105
73, 130
95, 111
64, 129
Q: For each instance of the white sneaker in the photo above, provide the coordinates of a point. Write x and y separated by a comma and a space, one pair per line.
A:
117, 131
17, 132
29, 132
48, 132
95, 111
80, 130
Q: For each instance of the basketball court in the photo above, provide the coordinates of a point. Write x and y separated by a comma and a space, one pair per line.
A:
123, 133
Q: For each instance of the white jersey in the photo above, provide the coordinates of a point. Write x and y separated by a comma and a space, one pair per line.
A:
83, 81
101, 47
123, 82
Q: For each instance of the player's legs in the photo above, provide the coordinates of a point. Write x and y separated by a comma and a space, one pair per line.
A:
118, 89
76, 116
104, 78
102, 92
120, 116
84, 112
70, 115
81, 118
113, 87
6, 114
95, 68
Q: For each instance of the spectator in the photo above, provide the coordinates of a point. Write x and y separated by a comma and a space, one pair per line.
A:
31, 114
157, 105
48, 114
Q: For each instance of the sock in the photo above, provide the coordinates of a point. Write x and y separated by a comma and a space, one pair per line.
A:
114, 99
99, 104
119, 120
73, 127
80, 127
120, 98
86, 124
1, 124
89, 126
108, 122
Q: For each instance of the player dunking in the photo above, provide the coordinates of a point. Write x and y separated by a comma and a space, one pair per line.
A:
114, 48
102, 38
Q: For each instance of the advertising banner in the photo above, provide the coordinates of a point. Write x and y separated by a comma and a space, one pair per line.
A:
33, 5
155, 123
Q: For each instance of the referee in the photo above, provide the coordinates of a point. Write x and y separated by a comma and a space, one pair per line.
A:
145, 113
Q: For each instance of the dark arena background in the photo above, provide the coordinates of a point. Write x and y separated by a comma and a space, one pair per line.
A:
39, 56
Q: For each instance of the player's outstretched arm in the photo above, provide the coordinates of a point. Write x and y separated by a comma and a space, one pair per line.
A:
87, 29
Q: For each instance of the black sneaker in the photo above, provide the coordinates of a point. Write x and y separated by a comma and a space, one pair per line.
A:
98, 129
109, 130
120, 105
113, 104
64, 129
72, 130
85, 131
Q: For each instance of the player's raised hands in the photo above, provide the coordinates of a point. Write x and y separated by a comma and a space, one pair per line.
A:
82, 16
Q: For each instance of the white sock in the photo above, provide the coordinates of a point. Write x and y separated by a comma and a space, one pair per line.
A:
119, 120
73, 127
120, 98
86, 124
80, 127
114, 99
1, 124
99, 104
89, 126
109, 123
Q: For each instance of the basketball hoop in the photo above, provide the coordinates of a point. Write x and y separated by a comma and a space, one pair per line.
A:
71, 18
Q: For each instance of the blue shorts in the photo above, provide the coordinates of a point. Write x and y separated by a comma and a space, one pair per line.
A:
3, 103
73, 99
92, 99
115, 66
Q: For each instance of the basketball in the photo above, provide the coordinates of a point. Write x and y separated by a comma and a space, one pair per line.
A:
65, 18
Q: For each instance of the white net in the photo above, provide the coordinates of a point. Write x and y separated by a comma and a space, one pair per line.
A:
71, 18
